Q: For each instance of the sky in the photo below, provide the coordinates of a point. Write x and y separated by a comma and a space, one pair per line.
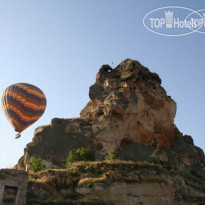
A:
59, 46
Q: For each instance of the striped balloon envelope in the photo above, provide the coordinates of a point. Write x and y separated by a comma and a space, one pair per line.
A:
23, 104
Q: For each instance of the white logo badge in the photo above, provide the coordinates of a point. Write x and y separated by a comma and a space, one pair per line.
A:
175, 21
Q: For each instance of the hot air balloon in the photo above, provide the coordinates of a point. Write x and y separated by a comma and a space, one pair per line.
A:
23, 104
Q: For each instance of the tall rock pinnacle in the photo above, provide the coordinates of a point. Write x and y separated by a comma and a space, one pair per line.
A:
129, 111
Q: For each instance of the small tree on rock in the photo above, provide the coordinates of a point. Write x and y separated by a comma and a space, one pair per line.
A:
36, 164
81, 154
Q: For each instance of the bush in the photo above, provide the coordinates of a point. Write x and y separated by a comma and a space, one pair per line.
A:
36, 164
111, 155
94, 171
81, 154
153, 159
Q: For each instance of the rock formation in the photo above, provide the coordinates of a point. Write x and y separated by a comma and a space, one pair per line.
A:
13, 187
129, 111
115, 183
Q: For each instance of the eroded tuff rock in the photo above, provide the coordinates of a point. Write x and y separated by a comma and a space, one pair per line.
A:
115, 183
129, 104
130, 112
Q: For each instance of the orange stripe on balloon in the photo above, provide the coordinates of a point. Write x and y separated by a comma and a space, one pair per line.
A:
25, 101
11, 120
22, 115
30, 90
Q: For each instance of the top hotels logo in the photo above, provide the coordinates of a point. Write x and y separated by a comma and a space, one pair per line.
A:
175, 21
169, 18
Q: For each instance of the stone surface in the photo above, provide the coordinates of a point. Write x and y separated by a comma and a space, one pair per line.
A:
132, 106
130, 112
118, 183
18, 180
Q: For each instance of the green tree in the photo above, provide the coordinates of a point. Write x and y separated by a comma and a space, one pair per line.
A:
111, 155
36, 164
81, 154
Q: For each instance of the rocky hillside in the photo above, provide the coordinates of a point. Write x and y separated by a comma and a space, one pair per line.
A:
130, 112
115, 183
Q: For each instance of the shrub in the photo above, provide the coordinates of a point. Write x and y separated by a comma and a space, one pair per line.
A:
81, 154
153, 159
36, 164
94, 171
111, 155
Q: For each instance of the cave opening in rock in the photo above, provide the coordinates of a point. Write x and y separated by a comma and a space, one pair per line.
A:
9, 196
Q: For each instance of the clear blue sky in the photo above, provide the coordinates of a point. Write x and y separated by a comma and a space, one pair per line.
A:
59, 46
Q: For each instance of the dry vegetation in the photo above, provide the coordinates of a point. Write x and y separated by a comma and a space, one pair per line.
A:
57, 186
